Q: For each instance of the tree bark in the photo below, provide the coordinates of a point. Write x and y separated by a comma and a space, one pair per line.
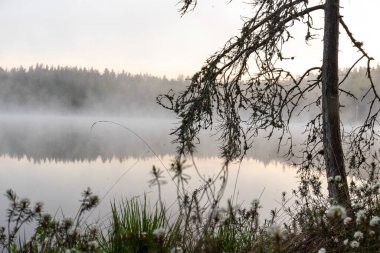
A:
332, 142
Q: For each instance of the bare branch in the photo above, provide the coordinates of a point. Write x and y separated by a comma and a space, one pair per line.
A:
187, 6
245, 102
357, 44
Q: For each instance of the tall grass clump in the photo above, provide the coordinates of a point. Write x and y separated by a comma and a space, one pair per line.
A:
135, 227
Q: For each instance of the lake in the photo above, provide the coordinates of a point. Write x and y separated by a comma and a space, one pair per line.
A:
54, 158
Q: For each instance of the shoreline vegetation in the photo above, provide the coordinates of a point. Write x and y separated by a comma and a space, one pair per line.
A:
304, 221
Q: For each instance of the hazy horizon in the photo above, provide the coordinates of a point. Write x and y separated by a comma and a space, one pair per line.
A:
152, 37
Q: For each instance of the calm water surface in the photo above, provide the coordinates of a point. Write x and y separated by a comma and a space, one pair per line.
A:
53, 159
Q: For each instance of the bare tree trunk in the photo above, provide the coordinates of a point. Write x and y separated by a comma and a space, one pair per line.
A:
333, 151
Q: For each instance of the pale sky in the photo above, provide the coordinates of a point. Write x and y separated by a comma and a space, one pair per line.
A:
149, 36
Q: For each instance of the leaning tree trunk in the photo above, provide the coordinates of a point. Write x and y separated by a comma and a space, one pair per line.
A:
332, 143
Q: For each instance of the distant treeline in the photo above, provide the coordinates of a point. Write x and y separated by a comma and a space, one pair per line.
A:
79, 90
356, 84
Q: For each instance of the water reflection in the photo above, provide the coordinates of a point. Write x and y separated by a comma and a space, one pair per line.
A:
59, 184
68, 139
54, 158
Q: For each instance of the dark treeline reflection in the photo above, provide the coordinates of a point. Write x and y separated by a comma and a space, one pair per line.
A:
68, 139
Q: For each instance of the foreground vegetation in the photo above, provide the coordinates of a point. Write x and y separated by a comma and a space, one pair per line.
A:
306, 221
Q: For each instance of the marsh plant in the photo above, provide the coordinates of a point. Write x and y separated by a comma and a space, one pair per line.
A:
135, 227
50, 234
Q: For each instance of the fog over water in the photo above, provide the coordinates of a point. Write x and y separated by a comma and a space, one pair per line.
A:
53, 158
75, 138
80, 138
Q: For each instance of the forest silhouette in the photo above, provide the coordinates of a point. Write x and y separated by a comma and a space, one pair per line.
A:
73, 90
43, 89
